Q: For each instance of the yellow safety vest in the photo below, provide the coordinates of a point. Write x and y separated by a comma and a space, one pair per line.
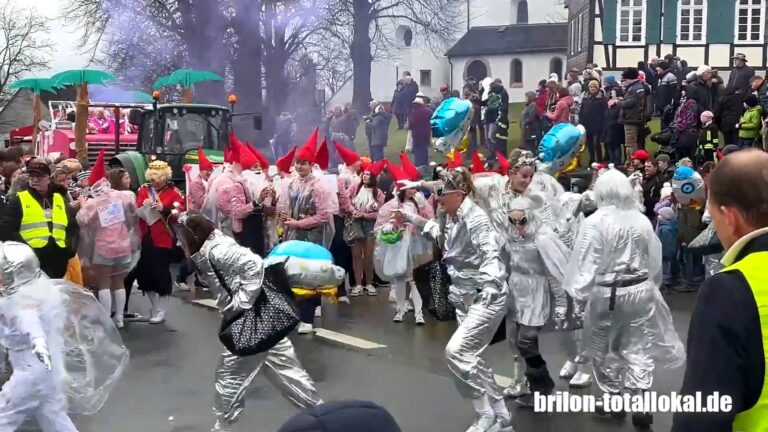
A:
753, 268
35, 225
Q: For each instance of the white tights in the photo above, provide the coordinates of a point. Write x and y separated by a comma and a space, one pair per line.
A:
401, 287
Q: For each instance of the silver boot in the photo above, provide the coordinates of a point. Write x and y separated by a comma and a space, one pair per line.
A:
568, 369
582, 377
519, 384
483, 423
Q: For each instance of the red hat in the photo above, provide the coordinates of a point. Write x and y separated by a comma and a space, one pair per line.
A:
247, 158
308, 152
454, 162
322, 159
503, 164
375, 168
641, 155
263, 161
202, 161
599, 166
396, 172
227, 155
408, 168
477, 164
235, 148
99, 170
348, 156
285, 162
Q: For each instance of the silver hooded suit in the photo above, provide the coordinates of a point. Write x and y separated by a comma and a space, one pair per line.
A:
471, 252
244, 273
616, 266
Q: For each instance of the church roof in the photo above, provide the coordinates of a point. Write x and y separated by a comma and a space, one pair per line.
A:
511, 39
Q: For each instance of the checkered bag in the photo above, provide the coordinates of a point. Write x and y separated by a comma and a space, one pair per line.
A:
272, 317
439, 282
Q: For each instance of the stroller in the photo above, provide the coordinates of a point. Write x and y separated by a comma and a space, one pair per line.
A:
666, 140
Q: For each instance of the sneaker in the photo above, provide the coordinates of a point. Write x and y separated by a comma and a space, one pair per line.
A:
392, 298
399, 316
343, 299
356, 291
408, 306
318, 312
370, 290
420, 318
181, 286
483, 423
504, 424
305, 328
516, 390
221, 427
159, 318
119, 324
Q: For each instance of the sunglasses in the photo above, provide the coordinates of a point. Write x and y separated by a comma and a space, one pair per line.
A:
441, 192
519, 222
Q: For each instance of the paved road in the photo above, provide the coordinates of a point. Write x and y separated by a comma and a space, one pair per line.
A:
172, 368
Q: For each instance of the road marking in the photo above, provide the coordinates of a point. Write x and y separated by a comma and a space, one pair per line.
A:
503, 381
209, 303
347, 340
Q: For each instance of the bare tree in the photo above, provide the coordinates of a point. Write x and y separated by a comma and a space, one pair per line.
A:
23, 46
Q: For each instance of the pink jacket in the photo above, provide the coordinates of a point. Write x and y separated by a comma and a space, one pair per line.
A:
344, 197
196, 194
117, 239
305, 188
368, 214
385, 212
562, 113
233, 199
103, 126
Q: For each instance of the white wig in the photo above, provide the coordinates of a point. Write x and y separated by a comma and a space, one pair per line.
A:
613, 188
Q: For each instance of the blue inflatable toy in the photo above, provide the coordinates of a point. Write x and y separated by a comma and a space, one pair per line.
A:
559, 147
688, 187
301, 249
450, 123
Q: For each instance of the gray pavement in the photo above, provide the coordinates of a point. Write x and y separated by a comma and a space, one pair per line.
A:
169, 384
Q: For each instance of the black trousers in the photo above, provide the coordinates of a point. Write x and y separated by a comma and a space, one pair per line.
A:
527, 343
342, 254
594, 146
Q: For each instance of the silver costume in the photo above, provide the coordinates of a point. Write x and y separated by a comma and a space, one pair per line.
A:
244, 275
478, 290
616, 266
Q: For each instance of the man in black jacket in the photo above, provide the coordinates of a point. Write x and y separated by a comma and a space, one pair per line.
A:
726, 351
53, 257
701, 89
632, 114
652, 184
741, 74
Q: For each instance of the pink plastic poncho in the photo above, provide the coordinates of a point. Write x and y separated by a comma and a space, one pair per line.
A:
233, 199
108, 225
196, 194
308, 202
419, 249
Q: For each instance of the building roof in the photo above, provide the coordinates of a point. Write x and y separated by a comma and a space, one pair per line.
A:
511, 39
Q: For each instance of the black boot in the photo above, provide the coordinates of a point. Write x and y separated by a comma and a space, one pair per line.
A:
539, 381
642, 420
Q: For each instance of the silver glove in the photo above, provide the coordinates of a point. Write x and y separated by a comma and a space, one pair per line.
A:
40, 349
489, 295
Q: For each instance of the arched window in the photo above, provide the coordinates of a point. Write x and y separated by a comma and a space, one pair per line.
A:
522, 12
404, 36
556, 66
477, 69
516, 74
408, 37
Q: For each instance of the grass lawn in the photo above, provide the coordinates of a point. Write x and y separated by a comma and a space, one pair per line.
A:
397, 137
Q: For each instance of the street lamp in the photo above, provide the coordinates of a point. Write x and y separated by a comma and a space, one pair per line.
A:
397, 71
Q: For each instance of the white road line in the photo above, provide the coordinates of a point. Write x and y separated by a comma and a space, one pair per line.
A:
503, 381
209, 303
347, 340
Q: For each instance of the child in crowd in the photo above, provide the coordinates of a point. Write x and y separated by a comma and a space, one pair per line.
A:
709, 139
666, 229
751, 122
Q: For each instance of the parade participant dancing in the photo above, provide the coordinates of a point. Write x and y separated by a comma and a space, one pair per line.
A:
305, 209
536, 254
364, 202
49, 327
478, 290
198, 188
220, 260
109, 241
413, 249
157, 201
616, 266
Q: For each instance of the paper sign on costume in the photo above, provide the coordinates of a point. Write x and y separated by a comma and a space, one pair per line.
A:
111, 214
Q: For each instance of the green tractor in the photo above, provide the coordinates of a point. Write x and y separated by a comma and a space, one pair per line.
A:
172, 133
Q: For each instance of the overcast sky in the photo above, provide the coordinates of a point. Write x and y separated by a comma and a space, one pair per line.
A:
65, 54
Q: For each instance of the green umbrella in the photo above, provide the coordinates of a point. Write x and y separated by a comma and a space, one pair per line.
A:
161, 82
37, 85
82, 76
186, 78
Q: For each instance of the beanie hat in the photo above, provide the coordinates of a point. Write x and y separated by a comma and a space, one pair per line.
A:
202, 161
348, 156
308, 152
342, 416
666, 190
663, 157
641, 155
630, 74
666, 213
751, 101
610, 80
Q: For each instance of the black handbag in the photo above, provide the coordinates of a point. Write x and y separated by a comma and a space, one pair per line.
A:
439, 282
273, 316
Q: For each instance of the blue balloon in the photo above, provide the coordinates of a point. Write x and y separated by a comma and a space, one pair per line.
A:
302, 249
559, 146
449, 116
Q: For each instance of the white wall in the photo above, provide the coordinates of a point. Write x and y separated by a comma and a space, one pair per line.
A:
535, 69
504, 12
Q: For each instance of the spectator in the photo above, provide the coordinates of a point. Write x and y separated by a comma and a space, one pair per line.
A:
613, 130
729, 112
530, 124
709, 138
421, 132
562, 111
11, 171
652, 184
727, 328
667, 92
400, 104
663, 165
741, 74
573, 79
496, 118
40, 215
666, 229
377, 123
476, 127
701, 89
632, 114
594, 107
751, 122
410, 91
342, 416
759, 89
541, 97
689, 227
686, 129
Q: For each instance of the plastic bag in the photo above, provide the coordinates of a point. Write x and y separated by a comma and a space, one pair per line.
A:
392, 261
409, 142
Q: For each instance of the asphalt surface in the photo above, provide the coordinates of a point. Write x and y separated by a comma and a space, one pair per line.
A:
168, 386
